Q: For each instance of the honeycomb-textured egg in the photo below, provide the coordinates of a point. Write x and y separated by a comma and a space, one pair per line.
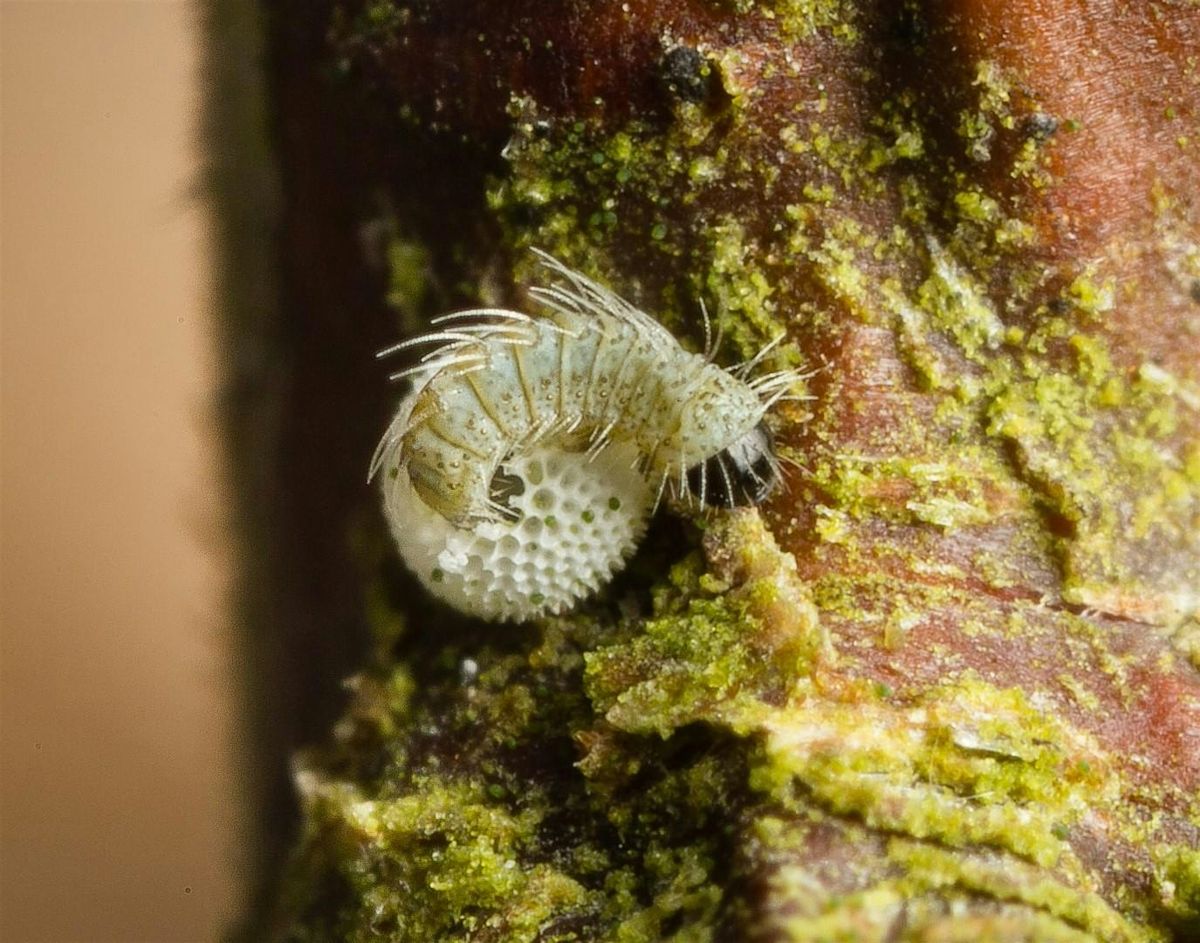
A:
572, 522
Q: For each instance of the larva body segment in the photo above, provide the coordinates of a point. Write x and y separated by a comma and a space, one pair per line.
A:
521, 469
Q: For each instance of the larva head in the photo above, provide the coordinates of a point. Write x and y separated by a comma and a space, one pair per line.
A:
744, 473
729, 452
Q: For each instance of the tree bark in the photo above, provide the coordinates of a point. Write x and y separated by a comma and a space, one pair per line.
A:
944, 685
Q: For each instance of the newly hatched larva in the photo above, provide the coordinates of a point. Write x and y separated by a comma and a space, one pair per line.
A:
519, 472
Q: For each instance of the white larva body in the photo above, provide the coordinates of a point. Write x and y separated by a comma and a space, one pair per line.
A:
521, 469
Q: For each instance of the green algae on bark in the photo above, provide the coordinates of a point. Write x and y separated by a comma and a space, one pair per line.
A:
945, 685
430, 845
502, 844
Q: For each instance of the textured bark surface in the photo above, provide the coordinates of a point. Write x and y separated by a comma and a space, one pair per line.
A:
946, 685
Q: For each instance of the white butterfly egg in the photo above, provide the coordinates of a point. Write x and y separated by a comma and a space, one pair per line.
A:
569, 529
519, 473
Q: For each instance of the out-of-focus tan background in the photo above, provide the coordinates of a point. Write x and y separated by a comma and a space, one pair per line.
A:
118, 808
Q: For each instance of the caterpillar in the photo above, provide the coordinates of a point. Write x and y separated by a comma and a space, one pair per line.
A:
521, 469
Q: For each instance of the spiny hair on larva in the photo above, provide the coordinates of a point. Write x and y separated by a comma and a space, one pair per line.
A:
521, 468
